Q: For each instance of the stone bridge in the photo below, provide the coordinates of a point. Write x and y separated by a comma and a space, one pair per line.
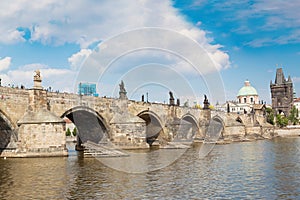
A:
32, 122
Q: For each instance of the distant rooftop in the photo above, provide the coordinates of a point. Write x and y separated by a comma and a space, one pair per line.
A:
297, 100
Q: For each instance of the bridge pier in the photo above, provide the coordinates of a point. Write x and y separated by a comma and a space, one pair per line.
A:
40, 132
127, 130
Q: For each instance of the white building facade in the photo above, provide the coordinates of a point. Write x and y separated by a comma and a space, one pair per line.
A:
247, 97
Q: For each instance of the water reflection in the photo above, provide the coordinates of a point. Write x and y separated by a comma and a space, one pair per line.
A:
261, 169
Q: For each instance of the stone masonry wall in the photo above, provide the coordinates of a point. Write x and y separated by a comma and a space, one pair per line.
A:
42, 137
13, 103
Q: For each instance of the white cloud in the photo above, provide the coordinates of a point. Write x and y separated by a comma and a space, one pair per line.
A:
291, 38
76, 59
5, 63
278, 20
58, 79
296, 79
236, 48
281, 13
57, 22
33, 66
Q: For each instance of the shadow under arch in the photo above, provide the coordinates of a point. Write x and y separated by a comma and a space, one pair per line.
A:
216, 127
194, 124
8, 137
154, 128
90, 124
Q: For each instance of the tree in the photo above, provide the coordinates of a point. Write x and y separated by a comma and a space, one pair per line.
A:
74, 132
197, 106
281, 121
293, 117
270, 116
68, 132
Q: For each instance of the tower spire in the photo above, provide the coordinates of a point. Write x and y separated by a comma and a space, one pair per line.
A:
289, 79
279, 76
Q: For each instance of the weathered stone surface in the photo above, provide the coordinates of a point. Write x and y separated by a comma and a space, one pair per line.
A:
127, 130
288, 132
36, 118
41, 132
40, 116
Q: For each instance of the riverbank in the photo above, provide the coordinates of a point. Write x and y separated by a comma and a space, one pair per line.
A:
289, 131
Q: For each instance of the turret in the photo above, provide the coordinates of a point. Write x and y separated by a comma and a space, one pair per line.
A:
279, 76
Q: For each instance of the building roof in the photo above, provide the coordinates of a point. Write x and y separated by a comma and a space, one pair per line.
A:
247, 90
259, 106
297, 100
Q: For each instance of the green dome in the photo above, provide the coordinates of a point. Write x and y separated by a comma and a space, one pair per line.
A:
247, 90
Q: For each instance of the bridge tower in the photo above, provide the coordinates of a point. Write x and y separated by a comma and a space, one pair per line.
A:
282, 93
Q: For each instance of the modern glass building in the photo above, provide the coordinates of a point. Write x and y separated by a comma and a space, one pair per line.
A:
88, 89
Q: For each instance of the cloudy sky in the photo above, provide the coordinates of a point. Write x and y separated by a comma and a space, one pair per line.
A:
189, 47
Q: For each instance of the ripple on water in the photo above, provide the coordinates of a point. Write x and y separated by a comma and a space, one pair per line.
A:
262, 169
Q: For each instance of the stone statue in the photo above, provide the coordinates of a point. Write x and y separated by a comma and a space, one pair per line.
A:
122, 87
206, 103
0, 82
178, 102
37, 80
122, 91
171, 95
37, 75
172, 100
186, 104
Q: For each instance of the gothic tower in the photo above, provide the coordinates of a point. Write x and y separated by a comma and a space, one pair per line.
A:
282, 93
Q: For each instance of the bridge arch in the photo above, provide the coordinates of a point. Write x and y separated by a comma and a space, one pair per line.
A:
90, 124
7, 131
194, 124
154, 126
218, 124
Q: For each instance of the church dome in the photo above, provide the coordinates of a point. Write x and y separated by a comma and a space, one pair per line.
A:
247, 90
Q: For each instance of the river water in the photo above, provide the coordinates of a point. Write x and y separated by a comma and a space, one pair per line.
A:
265, 169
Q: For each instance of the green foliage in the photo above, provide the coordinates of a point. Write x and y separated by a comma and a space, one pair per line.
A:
211, 107
74, 132
270, 114
281, 121
197, 106
293, 117
68, 132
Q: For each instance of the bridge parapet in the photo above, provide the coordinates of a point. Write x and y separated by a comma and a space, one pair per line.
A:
244, 126
14, 103
36, 115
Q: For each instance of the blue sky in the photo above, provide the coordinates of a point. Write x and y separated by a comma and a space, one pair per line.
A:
258, 36
245, 39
